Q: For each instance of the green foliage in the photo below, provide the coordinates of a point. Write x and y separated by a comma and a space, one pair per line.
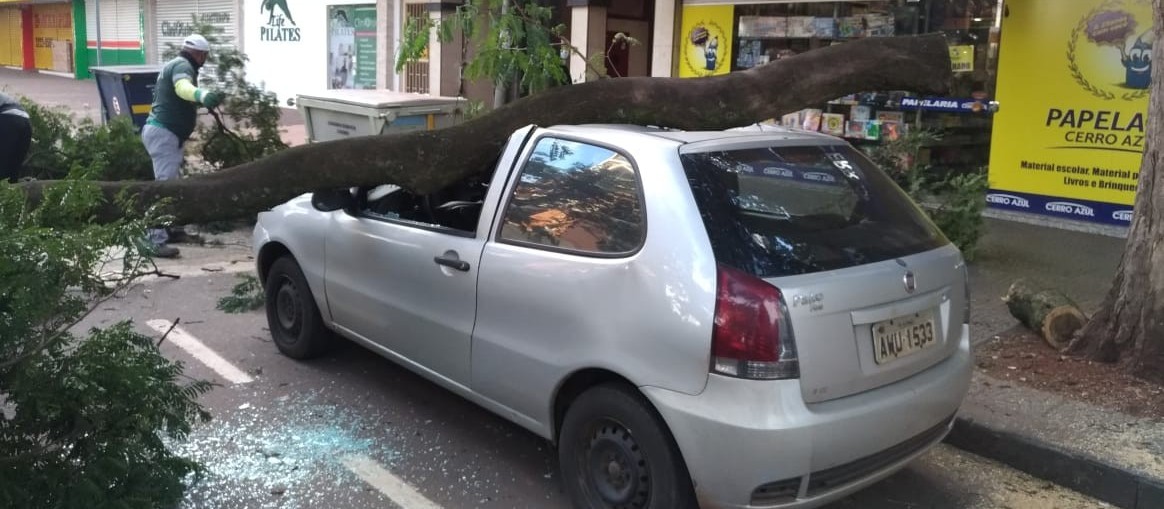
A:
899, 157
61, 143
954, 202
959, 212
251, 113
521, 46
474, 109
86, 414
247, 295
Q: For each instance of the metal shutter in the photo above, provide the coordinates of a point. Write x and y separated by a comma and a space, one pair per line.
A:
171, 25
224, 15
11, 37
121, 28
175, 22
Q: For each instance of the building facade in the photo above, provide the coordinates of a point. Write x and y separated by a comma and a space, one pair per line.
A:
299, 46
41, 35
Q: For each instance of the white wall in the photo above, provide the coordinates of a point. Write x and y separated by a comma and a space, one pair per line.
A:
289, 67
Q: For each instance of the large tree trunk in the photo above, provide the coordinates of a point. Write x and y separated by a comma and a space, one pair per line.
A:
427, 161
1129, 326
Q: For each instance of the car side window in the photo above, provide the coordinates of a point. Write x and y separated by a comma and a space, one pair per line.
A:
454, 209
389, 201
576, 197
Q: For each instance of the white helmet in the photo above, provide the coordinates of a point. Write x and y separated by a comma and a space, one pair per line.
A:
196, 42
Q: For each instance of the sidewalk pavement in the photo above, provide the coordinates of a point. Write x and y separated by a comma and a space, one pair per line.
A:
1110, 456
80, 97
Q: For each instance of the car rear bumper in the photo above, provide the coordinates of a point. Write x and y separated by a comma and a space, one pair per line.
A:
757, 444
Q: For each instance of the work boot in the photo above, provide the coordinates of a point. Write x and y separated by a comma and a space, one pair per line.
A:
179, 236
165, 251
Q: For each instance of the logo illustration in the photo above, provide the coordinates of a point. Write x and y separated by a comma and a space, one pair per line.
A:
910, 281
703, 56
276, 29
270, 5
1112, 34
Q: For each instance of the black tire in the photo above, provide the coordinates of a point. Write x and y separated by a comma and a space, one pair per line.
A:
292, 316
615, 452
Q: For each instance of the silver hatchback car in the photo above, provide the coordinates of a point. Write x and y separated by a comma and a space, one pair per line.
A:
751, 318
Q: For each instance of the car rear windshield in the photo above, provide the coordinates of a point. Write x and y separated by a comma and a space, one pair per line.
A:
786, 210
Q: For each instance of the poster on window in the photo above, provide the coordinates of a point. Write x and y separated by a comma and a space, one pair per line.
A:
351, 57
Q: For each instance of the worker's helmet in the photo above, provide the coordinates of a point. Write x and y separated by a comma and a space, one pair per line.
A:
196, 42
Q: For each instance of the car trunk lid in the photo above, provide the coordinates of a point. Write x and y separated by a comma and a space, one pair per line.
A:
863, 327
874, 291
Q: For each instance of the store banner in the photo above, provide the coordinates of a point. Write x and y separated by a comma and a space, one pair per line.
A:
707, 32
1073, 84
352, 46
945, 104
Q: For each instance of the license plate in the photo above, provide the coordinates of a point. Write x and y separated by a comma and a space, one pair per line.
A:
902, 336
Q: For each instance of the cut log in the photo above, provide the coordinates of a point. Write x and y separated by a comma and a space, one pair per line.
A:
1048, 312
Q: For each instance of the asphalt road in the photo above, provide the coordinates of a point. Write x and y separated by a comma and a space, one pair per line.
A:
353, 430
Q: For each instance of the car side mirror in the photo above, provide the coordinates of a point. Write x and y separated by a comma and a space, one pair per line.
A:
329, 200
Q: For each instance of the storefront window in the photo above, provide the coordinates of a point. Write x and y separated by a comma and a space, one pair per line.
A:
761, 33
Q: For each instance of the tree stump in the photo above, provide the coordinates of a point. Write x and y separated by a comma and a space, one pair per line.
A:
1049, 312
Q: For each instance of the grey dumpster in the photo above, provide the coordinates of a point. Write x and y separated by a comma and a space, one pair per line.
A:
336, 114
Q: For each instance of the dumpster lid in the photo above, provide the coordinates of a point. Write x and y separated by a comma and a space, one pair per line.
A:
127, 69
382, 98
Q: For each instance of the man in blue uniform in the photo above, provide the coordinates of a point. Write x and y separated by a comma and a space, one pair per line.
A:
173, 116
15, 137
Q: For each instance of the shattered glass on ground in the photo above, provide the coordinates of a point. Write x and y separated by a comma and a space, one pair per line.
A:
285, 455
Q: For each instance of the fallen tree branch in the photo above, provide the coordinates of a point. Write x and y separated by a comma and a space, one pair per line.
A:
168, 331
425, 161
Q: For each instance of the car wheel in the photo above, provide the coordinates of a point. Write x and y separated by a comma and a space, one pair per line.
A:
292, 315
615, 452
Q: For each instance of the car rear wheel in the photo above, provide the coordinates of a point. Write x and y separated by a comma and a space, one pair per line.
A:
292, 315
615, 452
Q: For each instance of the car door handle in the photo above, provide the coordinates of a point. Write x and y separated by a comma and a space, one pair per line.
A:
452, 263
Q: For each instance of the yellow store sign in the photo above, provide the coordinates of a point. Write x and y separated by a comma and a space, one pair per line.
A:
706, 44
1073, 83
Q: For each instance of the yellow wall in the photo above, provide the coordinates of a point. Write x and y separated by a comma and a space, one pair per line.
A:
51, 22
10, 37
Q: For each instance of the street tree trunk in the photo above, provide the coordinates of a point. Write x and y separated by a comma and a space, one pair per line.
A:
425, 161
1129, 326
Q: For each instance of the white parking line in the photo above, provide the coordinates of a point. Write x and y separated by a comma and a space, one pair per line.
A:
201, 352
391, 486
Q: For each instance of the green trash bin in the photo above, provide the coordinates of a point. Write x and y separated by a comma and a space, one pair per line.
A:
126, 91
347, 113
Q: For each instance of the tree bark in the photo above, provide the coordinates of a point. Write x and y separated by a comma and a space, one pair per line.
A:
1129, 325
425, 161
1050, 313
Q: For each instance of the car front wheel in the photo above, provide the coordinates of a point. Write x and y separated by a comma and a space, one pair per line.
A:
615, 452
292, 315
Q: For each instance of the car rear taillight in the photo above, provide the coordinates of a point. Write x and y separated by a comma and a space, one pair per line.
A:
752, 335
